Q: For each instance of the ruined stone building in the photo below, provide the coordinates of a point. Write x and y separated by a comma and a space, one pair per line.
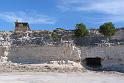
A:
21, 27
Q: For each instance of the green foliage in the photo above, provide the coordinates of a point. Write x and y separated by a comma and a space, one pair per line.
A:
58, 29
81, 30
107, 29
55, 36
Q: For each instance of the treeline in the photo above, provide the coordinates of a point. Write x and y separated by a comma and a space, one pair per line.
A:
107, 29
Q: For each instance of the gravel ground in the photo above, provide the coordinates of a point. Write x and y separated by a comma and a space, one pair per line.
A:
40, 68
86, 77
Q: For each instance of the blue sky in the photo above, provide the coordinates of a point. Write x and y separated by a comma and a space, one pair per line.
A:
51, 14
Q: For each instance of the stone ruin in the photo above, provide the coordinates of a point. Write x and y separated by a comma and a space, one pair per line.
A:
94, 58
86, 53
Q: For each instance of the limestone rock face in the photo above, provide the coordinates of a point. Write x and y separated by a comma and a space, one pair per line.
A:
112, 58
42, 54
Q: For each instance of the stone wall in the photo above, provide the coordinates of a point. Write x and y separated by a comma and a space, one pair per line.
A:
41, 54
2, 51
112, 57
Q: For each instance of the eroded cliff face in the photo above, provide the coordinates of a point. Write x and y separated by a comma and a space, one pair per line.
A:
42, 54
110, 58
106, 58
3, 54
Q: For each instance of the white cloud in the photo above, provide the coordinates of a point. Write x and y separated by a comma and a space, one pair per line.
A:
72, 5
106, 6
112, 9
31, 17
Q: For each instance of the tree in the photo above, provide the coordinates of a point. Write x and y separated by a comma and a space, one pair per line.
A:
80, 30
107, 29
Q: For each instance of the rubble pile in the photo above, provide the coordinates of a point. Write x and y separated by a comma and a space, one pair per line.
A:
13, 67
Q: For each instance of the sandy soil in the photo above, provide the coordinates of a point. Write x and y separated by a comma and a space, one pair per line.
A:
86, 77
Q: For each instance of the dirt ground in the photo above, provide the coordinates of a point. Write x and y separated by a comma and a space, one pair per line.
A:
86, 77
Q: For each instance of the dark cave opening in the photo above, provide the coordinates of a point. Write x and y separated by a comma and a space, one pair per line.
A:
93, 62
